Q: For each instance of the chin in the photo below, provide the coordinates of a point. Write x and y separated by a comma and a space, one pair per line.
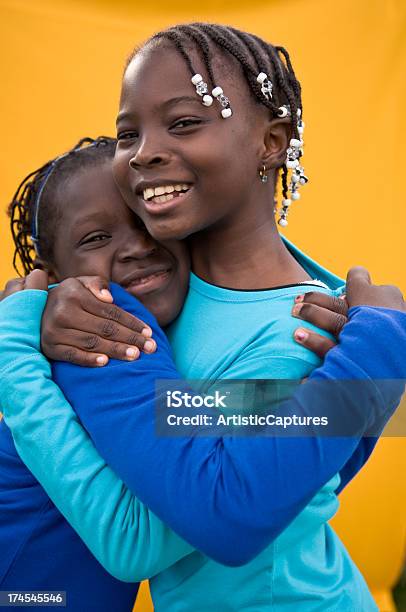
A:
166, 229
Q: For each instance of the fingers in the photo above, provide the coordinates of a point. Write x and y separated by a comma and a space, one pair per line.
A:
321, 317
361, 292
14, 285
314, 342
110, 321
358, 274
335, 304
79, 342
98, 286
71, 354
37, 279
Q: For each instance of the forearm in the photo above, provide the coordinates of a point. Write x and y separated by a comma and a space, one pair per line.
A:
213, 490
127, 538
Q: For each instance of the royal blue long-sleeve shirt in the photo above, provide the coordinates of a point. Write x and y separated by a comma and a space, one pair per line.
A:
214, 492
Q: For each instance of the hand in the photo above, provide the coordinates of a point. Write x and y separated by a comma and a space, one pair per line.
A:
37, 279
81, 325
330, 313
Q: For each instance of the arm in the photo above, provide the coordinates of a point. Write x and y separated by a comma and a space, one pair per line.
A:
330, 313
130, 541
212, 490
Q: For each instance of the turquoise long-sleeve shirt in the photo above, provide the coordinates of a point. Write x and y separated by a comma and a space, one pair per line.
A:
389, 326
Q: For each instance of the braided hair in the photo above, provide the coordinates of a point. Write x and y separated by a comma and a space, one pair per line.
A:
35, 208
251, 53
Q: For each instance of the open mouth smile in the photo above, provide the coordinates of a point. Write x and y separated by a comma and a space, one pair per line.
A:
142, 285
166, 193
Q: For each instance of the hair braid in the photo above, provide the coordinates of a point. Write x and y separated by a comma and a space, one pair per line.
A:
253, 55
201, 41
42, 185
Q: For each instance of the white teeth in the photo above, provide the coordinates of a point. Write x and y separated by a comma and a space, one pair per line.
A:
163, 198
148, 193
151, 192
159, 191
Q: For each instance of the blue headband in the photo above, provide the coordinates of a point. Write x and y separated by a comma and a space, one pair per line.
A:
34, 225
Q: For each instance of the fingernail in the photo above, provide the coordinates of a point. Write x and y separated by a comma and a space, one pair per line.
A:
105, 293
301, 335
149, 346
147, 332
296, 309
299, 298
101, 360
132, 353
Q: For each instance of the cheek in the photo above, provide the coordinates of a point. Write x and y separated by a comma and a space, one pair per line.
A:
121, 168
123, 175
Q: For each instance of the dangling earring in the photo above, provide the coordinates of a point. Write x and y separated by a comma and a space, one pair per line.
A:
263, 175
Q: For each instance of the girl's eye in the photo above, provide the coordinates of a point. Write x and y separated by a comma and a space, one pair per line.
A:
184, 123
127, 135
94, 239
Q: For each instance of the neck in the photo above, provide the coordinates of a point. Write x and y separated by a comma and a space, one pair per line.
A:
247, 253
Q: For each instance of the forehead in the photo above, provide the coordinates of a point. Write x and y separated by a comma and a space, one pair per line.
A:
91, 189
158, 73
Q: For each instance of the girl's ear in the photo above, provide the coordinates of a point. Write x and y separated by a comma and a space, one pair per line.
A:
276, 141
41, 265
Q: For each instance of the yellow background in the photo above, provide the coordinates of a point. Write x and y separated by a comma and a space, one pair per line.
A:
61, 68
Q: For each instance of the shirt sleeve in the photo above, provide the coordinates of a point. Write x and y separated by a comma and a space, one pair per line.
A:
122, 533
229, 497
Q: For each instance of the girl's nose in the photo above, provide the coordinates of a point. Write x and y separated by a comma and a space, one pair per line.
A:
138, 244
148, 154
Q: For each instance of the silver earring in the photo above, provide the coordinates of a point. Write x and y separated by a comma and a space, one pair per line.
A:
263, 175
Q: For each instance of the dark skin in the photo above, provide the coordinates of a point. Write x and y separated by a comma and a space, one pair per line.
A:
98, 235
165, 136
225, 215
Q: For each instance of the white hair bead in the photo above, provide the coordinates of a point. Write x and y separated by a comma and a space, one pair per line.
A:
300, 129
294, 142
292, 163
299, 112
196, 79
286, 202
282, 222
295, 178
226, 112
295, 195
262, 77
283, 111
207, 100
217, 91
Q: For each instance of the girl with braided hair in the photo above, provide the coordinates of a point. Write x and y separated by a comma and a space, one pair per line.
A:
217, 113
71, 210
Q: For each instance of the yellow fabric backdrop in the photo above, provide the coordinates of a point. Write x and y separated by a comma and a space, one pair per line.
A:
61, 68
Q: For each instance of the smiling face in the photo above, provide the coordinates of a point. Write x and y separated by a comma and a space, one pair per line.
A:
98, 235
179, 165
